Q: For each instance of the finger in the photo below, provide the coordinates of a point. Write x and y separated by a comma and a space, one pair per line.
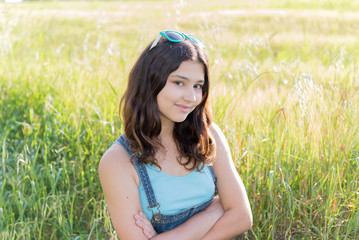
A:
147, 227
142, 216
144, 220
144, 223
148, 234
138, 216
150, 230
140, 224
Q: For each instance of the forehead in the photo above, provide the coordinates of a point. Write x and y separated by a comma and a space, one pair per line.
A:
192, 70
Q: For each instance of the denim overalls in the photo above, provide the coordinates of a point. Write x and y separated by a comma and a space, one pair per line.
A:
161, 222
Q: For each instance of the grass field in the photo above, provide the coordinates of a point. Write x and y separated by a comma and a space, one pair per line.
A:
285, 90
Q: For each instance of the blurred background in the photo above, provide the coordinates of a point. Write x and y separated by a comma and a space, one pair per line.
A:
284, 89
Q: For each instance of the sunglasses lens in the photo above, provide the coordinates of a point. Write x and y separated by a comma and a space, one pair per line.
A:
174, 36
177, 37
196, 40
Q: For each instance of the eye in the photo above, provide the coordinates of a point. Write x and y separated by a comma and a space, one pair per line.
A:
198, 86
178, 83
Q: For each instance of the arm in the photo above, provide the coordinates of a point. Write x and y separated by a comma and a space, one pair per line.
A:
120, 187
197, 226
237, 217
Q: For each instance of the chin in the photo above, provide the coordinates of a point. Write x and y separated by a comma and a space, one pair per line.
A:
180, 119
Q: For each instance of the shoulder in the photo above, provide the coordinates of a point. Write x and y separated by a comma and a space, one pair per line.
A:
223, 156
116, 162
215, 130
119, 182
219, 138
114, 156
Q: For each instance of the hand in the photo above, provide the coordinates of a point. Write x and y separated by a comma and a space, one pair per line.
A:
142, 222
215, 209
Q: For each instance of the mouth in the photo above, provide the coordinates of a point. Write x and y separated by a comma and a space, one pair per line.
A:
184, 108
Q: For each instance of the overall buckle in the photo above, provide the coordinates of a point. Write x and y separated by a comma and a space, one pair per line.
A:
156, 216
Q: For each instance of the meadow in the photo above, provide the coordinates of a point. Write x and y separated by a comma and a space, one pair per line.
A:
284, 89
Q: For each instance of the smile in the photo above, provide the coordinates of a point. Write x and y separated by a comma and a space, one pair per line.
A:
184, 108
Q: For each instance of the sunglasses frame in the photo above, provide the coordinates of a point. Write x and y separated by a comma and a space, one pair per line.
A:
183, 35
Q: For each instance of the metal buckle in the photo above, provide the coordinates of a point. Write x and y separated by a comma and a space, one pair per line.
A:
156, 216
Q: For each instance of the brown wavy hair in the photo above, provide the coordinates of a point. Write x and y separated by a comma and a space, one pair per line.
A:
140, 114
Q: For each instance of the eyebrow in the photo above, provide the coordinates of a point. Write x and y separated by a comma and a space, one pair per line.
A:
184, 78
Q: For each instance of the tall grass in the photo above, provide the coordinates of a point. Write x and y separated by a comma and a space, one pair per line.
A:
285, 85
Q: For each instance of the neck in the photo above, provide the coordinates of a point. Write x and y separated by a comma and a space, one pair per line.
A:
166, 130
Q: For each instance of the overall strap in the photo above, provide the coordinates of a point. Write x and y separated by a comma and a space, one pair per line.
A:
144, 178
214, 178
126, 145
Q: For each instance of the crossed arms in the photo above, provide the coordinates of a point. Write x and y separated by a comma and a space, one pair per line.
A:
227, 216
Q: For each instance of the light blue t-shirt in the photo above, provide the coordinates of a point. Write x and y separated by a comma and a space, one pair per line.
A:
175, 194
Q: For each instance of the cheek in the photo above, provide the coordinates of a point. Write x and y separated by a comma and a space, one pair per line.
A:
199, 97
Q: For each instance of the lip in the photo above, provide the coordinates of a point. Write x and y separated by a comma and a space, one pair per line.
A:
183, 108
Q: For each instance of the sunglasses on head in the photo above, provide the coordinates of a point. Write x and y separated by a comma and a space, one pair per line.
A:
174, 36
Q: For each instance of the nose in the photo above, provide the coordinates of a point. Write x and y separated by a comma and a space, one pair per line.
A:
190, 95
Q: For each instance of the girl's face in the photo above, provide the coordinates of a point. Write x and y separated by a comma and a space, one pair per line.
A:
182, 92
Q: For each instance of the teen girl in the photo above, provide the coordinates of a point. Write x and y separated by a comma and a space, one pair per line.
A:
160, 177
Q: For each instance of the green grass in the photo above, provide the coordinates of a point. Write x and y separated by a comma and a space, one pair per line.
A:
285, 84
